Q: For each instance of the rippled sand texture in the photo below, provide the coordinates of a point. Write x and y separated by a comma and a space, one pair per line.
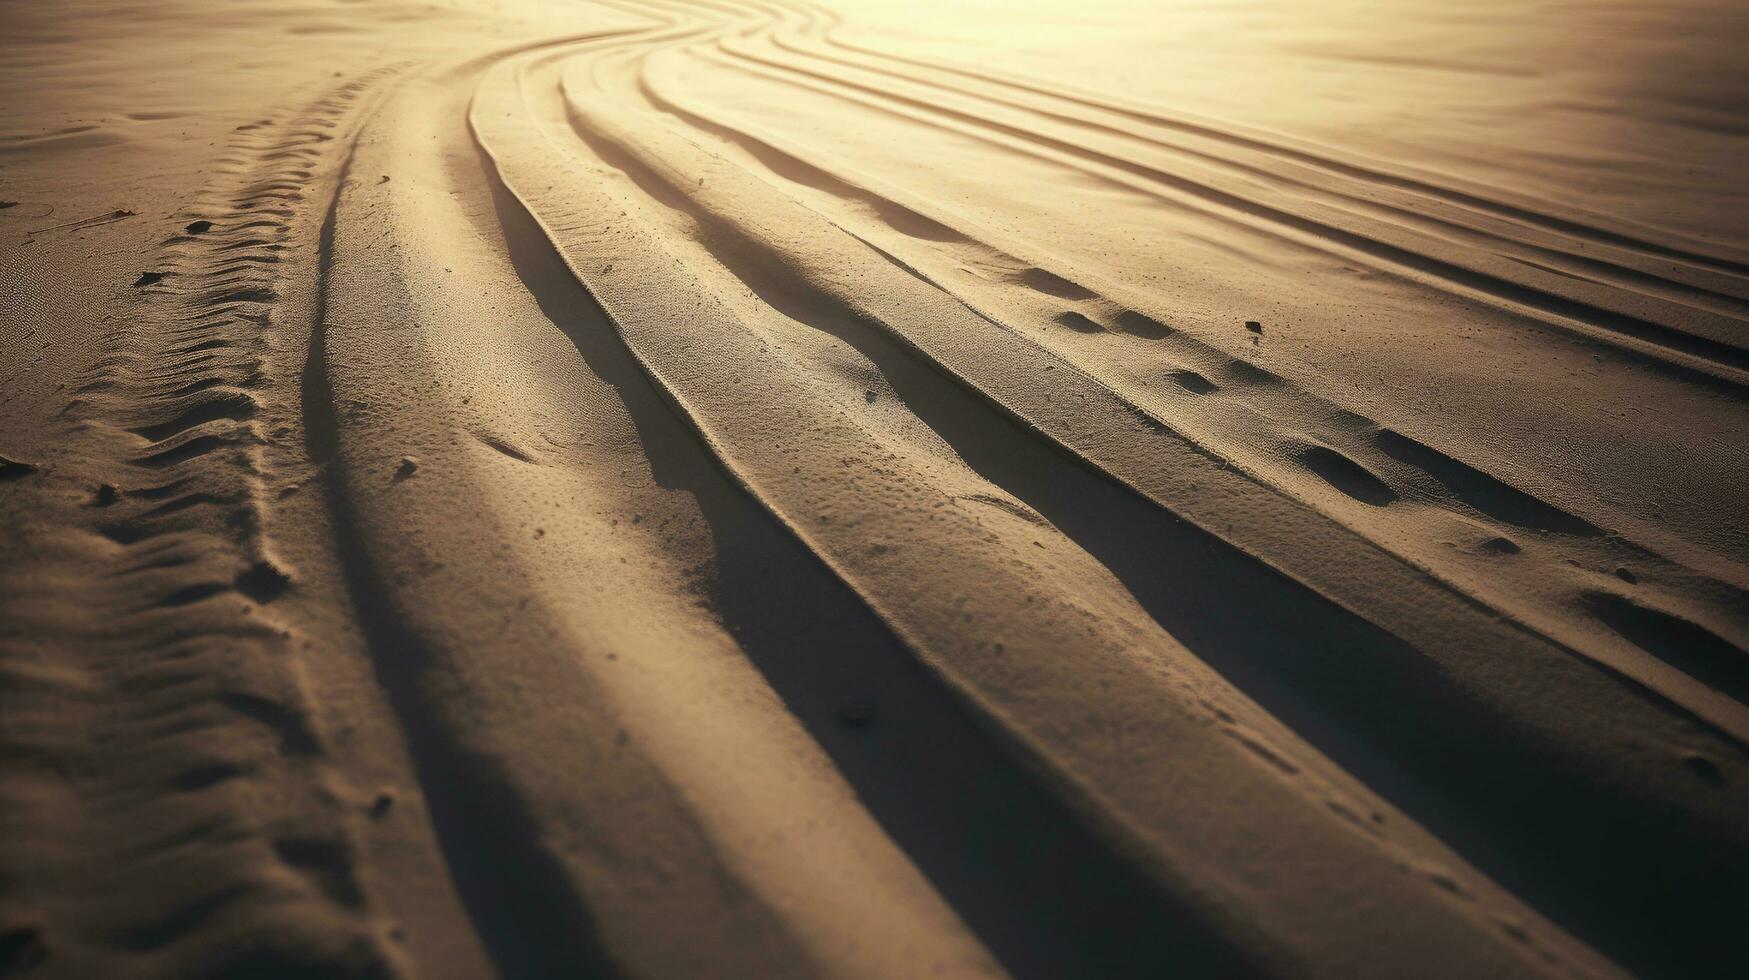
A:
749, 489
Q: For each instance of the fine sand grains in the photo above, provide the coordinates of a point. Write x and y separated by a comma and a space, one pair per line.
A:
712, 488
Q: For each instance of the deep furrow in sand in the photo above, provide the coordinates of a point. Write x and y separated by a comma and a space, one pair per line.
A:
530, 922
936, 243
1651, 243
1165, 310
783, 468
1233, 439
1471, 796
972, 822
1705, 348
600, 742
554, 863
946, 787
1580, 801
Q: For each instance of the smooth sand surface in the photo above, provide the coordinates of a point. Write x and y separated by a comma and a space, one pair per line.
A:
753, 488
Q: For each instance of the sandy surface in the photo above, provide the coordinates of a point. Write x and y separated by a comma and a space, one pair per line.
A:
749, 489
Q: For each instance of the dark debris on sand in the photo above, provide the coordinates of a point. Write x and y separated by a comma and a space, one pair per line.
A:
11, 469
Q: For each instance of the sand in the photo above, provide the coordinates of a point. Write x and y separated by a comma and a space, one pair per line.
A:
753, 488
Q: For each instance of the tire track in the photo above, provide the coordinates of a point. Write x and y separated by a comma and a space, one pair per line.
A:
171, 743
594, 119
675, 199
1275, 414
984, 564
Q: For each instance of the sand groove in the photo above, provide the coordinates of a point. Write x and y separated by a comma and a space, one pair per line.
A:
698, 201
1710, 336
